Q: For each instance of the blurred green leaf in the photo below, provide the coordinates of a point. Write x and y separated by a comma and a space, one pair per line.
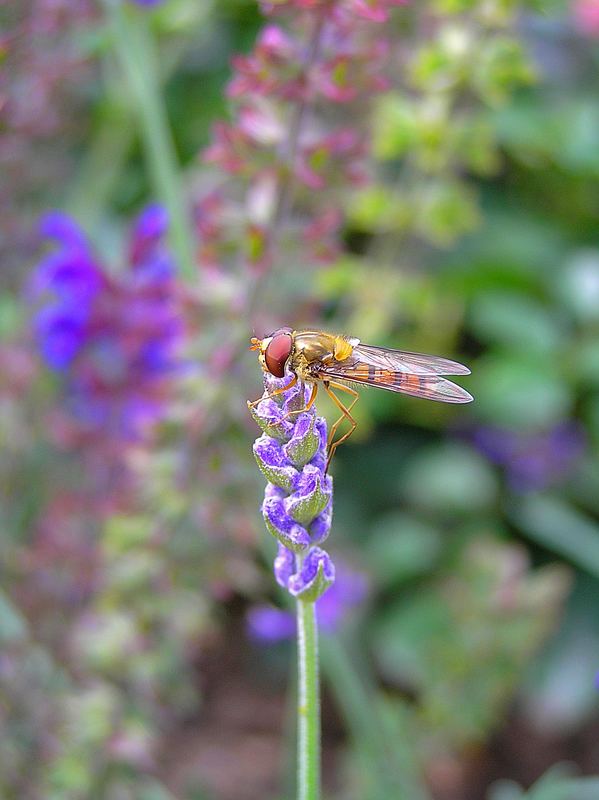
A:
461, 641
519, 392
401, 546
152, 790
591, 417
505, 790
13, 627
565, 131
11, 316
515, 321
377, 208
577, 285
556, 784
585, 363
554, 524
502, 66
445, 210
395, 126
450, 478
559, 693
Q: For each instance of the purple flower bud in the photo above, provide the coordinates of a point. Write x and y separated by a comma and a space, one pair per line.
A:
274, 463
268, 624
297, 507
317, 573
280, 524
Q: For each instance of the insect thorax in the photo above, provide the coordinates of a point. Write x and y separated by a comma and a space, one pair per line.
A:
314, 349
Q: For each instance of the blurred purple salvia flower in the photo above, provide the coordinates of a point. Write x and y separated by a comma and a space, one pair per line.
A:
298, 499
114, 337
532, 461
347, 593
60, 334
269, 624
68, 271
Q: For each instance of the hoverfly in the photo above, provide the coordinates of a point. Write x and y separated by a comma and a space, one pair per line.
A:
315, 358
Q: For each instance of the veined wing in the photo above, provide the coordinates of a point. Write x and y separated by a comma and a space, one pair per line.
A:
430, 387
403, 361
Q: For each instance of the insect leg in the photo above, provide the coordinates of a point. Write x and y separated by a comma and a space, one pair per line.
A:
291, 383
345, 414
308, 405
346, 410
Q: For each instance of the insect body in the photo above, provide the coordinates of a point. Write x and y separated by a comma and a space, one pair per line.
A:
318, 358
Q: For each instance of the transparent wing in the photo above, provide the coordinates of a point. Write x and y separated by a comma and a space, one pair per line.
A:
403, 361
431, 387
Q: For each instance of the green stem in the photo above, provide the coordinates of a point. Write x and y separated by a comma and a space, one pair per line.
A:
308, 708
101, 168
135, 51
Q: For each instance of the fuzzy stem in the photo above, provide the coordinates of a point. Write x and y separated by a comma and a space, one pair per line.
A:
308, 709
134, 49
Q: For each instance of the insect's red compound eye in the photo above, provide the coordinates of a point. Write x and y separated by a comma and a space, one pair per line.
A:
277, 353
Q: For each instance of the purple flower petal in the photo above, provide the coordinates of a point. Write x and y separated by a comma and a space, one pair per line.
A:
119, 334
64, 230
268, 624
69, 275
532, 461
347, 592
61, 334
152, 223
279, 523
284, 565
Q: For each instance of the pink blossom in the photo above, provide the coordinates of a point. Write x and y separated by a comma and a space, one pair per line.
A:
231, 149
355, 72
273, 68
321, 235
291, 158
260, 123
586, 17
336, 155
270, 6
374, 10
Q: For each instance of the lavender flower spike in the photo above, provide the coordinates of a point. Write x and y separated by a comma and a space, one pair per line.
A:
298, 499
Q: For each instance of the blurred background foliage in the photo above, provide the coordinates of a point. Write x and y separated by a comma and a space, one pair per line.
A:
125, 666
